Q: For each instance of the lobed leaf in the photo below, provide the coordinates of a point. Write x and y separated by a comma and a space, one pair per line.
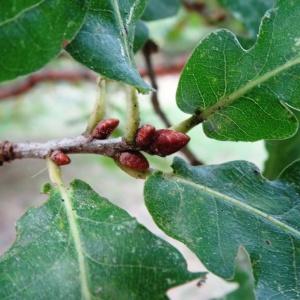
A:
106, 40
244, 277
216, 209
32, 32
248, 12
242, 95
87, 248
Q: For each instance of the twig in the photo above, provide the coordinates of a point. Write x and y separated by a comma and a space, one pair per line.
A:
10, 151
148, 49
73, 76
16, 89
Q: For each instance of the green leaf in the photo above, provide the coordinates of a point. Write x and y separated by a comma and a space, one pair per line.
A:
105, 42
282, 153
87, 248
32, 32
248, 12
241, 94
216, 209
244, 277
141, 36
160, 9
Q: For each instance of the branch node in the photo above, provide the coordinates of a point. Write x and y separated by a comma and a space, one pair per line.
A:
6, 152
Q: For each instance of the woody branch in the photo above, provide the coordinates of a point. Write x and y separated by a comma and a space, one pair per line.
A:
10, 151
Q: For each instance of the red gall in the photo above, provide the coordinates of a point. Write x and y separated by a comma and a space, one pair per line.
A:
105, 128
167, 141
144, 136
60, 158
133, 160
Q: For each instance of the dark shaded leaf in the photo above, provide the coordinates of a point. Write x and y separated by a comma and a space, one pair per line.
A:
281, 153
105, 42
160, 9
33, 32
141, 36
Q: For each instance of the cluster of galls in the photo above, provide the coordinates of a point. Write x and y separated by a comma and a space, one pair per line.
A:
160, 142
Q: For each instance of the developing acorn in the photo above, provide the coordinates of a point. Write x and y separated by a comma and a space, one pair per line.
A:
105, 128
144, 136
60, 158
167, 141
133, 160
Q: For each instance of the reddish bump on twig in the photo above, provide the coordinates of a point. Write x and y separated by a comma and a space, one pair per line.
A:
60, 158
144, 136
133, 160
105, 128
167, 141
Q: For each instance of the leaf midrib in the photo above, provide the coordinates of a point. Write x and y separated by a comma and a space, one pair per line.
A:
237, 203
121, 24
229, 99
75, 232
22, 12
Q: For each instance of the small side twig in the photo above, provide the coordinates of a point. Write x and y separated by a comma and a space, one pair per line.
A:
150, 48
19, 88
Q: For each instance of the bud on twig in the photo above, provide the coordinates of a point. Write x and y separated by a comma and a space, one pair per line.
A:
133, 160
167, 141
104, 129
60, 158
144, 136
